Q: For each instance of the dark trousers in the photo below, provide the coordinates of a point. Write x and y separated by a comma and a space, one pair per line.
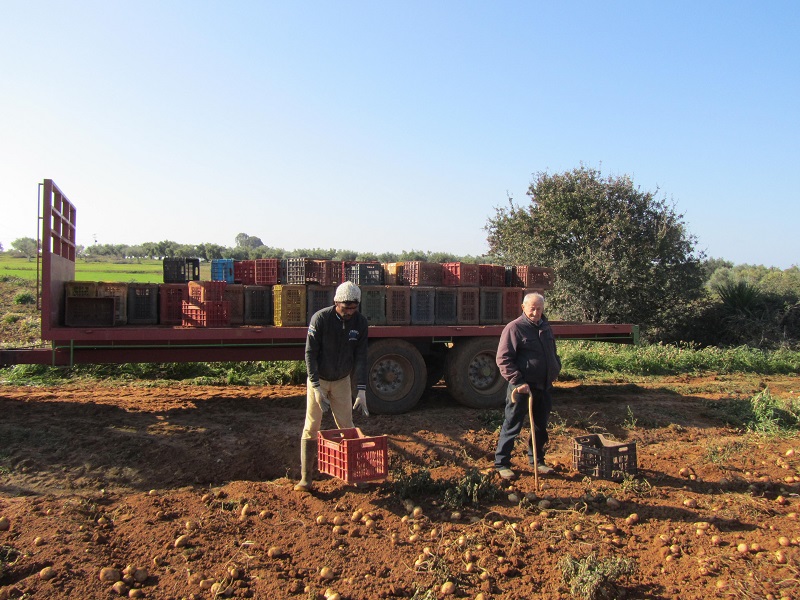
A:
515, 415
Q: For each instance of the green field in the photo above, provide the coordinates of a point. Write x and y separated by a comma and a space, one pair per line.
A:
144, 271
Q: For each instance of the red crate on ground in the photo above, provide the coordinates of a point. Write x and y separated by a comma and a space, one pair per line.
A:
213, 313
207, 291
350, 455
418, 272
460, 273
512, 303
244, 272
491, 275
171, 297
533, 277
267, 271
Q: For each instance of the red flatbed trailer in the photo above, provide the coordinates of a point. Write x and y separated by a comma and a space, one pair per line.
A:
403, 360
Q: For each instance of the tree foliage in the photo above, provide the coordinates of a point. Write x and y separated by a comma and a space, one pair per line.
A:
620, 254
25, 246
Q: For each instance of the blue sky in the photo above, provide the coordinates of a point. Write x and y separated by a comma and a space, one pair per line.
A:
391, 126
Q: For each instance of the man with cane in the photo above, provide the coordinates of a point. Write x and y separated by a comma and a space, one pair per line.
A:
528, 360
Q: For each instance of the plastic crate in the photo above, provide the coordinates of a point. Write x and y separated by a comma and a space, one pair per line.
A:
175, 270
267, 271
491, 306
596, 456
512, 303
363, 273
257, 305
289, 305
142, 303
446, 306
83, 311
328, 272
418, 272
491, 275
469, 306
350, 455
534, 277
460, 273
300, 271
398, 305
393, 273
222, 270
244, 272
171, 297
317, 298
423, 305
373, 304
119, 292
212, 313
207, 291
193, 269
234, 293
80, 289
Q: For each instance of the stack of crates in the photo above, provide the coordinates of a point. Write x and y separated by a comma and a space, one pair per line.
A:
171, 297
234, 293
423, 305
244, 272
206, 306
364, 273
289, 305
491, 305
142, 303
119, 292
418, 272
318, 297
469, 306
398, 305
222, 270
257, 305
267, 271
373, 304
460, 273
446, 306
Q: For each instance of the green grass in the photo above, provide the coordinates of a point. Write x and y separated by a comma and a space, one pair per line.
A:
144, 271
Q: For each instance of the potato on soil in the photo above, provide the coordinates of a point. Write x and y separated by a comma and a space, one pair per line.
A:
5, 524
110, 574
326, 573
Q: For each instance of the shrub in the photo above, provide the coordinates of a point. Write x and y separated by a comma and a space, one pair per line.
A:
592, 579
25, 298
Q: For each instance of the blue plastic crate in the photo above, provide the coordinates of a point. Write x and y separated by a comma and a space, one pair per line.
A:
222, 269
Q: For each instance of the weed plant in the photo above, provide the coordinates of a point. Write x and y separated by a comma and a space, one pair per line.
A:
592, 579
473, 488
762, 414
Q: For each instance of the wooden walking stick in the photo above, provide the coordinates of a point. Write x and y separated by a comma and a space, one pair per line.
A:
533, 444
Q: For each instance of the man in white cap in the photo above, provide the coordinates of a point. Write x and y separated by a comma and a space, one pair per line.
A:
335, 346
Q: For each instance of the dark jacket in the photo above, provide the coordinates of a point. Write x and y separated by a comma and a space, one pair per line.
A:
335, 346
527, 353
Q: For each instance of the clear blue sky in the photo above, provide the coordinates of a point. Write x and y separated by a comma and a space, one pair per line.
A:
390, 126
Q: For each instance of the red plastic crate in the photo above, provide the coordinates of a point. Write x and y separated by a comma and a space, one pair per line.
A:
244, 272
171, 297
459, 273
491, 275
214, 313
267, 271
398, 305
468, 305
418, 272
207, 291
329, 272
350, 455
533, 277
512, 303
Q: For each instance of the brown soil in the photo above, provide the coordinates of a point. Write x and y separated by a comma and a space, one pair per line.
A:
95, 476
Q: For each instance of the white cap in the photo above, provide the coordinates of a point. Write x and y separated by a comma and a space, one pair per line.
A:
347, 292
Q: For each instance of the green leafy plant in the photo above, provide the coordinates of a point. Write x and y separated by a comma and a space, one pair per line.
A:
473, 488
630, 420
592, 579
25, 298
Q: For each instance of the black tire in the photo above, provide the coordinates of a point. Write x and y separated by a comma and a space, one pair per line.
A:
434, 363
396, 378
471, 373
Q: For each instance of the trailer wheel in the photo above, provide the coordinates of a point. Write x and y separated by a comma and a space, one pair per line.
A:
396, 378
471, 373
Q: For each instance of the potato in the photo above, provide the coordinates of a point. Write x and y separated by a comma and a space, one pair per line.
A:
274, 551
448, 588
326, 573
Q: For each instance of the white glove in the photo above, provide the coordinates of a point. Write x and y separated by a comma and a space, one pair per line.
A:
361, 401
322, 400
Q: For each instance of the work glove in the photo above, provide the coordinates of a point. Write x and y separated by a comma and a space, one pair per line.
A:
361, 402
322, 400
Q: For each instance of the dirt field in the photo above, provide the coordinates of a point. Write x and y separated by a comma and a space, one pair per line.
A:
191, 486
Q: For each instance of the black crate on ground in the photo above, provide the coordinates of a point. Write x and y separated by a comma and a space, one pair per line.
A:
398, 305
446, 306
423, 305
596, 456
373, 304
491, 306
257, 305
82, 311
469, 300
318, 297
142, 303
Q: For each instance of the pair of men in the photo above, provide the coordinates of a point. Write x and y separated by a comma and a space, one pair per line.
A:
337, 345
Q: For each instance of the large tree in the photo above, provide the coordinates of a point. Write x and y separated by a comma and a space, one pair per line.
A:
25, 246
620, 254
